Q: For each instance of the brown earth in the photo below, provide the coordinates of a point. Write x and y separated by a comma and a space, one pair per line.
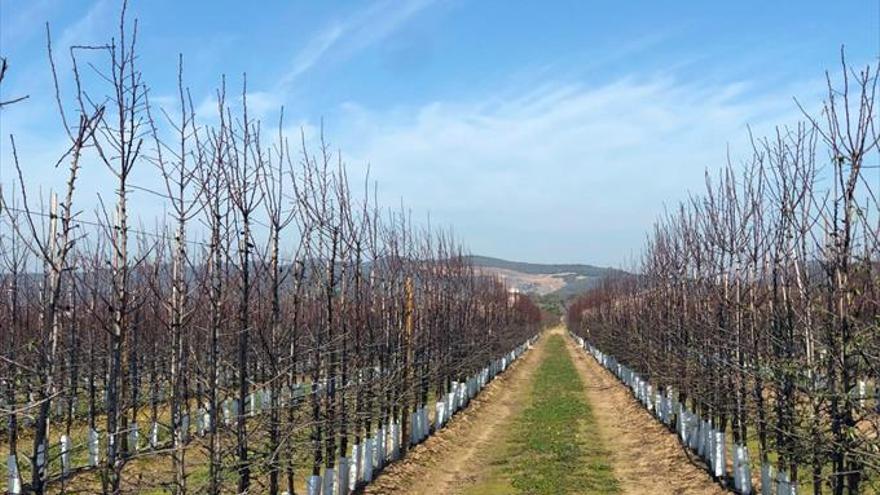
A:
537, 283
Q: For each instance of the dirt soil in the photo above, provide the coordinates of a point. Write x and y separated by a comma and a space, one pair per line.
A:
646, 458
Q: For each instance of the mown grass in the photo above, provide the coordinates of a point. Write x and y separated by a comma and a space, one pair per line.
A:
553, 446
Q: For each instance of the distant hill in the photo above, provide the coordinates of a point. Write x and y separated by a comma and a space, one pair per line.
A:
537, 278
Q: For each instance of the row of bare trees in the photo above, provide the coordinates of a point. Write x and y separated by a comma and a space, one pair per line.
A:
272, 323
758, 301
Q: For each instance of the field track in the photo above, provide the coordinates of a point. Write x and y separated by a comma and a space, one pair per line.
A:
468, 457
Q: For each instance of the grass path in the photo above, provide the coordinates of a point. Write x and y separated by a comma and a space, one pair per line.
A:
552, 445
555, 423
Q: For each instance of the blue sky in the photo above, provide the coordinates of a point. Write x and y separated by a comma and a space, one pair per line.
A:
542, 131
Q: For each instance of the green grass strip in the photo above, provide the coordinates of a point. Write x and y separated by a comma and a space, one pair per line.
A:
556, 448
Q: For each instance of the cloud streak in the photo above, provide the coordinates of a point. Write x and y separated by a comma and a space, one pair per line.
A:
314, 50
342, 39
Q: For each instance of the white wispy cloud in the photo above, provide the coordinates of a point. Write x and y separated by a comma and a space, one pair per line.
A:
316, 48
343, 38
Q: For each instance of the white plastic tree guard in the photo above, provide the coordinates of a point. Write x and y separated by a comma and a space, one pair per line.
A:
313, 485
417, 423
254, 405
227, 411
65, 454
13, 479
381, 446
720, 456
93, 443
154, 435
681, 427
357, 464
426, 428
376, 455
395, 440
766, 479
266, 399
783, 484
742, 476
41, 459
368, 460
701, 439
328, 481
184, 428
342, 483
134, 436
356, 467
863, 393
203, 421
438, 415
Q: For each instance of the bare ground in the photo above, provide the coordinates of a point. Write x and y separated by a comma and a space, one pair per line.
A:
646, 457
540, 283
